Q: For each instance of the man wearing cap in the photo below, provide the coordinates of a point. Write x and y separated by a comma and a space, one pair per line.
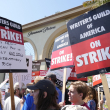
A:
52, 77
7, 105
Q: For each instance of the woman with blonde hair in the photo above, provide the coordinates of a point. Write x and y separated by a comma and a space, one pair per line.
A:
91, 98
1, 107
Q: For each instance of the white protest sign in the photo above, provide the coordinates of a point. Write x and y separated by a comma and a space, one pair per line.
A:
59, 74
12, 53
108, 79
24, 78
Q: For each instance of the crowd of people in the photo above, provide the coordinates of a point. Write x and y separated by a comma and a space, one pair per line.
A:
44, 95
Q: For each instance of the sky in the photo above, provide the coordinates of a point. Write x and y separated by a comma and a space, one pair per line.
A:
26, 11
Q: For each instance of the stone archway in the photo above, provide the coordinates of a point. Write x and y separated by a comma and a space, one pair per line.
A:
33, 45
51, 39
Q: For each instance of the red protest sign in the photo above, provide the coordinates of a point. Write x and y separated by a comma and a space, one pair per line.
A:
12, 53
73, 76
62, 53
34, 74
89, 34
97, 80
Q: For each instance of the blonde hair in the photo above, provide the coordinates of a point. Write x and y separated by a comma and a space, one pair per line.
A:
38, 78
81, 87
1, 100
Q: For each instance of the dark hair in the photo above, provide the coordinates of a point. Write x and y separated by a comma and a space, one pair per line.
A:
92, 95
52, 79
15, 90
49, 101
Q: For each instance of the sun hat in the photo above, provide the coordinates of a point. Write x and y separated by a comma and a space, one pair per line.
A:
16, 85
45, 85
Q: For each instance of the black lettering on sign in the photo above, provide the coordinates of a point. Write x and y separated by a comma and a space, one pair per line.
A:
11, 47
10, 43
3, 47
19, 54
16, 78
2, 52
6, 64
12, 53
27, 61
59, 82
25, 77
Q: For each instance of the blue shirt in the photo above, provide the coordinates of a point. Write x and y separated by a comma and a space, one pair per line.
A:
0, 107
59, 95
28, 104
91, 104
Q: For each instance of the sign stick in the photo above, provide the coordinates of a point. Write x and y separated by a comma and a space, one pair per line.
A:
11, 91
99, 96
101, 99
106, 88
64, 81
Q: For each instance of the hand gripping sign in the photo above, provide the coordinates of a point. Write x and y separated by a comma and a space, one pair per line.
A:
89, 37
61, 54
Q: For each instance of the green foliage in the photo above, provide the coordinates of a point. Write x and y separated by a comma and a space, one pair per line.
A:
95, 3
90, 79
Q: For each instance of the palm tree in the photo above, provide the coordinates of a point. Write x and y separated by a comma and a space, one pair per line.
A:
95, 3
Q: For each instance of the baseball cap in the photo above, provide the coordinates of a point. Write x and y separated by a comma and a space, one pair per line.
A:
45, 85
50, 75
16, 85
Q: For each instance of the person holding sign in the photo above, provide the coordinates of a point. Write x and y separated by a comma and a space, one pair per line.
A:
45, 95
17, 99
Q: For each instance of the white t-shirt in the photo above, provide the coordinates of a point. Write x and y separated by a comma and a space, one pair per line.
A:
7, 105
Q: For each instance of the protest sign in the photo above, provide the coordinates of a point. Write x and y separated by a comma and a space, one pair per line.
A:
61, 53
34, 74
36, 65
89, 34
48, 61
73, 76
12, 54
60, 74
97, 80
24, 78
43, 72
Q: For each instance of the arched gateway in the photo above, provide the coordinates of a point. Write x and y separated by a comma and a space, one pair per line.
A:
42, 33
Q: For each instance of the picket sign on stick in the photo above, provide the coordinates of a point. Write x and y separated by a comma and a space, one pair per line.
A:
11, 91
106, 88
101, 99
99, 96
64, 81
